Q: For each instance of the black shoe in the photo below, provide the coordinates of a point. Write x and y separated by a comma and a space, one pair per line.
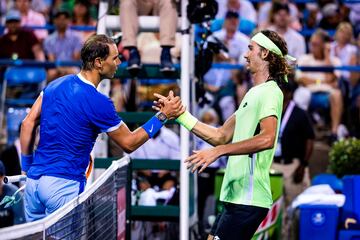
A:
166, 65
134, 62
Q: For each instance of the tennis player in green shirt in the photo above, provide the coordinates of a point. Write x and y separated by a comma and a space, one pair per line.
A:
248, 137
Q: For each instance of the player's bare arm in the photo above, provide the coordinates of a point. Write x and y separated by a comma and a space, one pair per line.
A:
131, 140
28, 127
212, 135
262, 141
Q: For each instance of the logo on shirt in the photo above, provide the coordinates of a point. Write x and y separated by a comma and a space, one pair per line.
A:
245, 104
216, 238
151, 129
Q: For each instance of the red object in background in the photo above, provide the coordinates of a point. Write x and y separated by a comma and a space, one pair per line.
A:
121, 214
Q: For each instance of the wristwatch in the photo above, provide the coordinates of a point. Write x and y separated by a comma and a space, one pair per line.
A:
162, 117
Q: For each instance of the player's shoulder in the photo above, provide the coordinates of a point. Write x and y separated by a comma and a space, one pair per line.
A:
269, 90
59, 83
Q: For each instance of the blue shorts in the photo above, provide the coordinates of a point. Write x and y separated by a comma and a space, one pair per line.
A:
47, 194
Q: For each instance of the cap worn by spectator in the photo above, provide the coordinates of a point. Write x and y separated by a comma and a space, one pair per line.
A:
2, 169
330, 9
231, 14
13, 15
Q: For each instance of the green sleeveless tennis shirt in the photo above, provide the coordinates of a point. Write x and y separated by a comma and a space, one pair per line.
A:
246, 180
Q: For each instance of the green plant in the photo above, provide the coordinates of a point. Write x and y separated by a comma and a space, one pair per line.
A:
344, 157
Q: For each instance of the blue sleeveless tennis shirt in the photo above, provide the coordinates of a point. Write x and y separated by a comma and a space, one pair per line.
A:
73, 113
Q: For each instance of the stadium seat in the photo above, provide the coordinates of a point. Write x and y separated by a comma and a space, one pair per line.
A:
320, 100
245, 26
30, 79
21, 87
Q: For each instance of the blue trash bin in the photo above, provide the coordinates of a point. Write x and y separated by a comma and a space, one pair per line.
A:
318, 222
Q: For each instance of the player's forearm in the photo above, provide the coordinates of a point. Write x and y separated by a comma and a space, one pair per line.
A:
252, 145
139, 137
27, 137
129, 141
208, 133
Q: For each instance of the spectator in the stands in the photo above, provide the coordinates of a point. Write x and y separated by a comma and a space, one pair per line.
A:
354, 106
129, 12
3, 10
343, 48
217, 80
31, 18
149, 47
322, 81
244, 8
81, 17
330, 17
42, 6
62, 45
281, 24
265, 14
94, 7
354, 15
14, 214
20, 43
311, 16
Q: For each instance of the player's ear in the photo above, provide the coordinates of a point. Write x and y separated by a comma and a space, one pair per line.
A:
98, 62
264, 53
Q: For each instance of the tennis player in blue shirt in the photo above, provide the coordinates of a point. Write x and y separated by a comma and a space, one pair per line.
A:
71, 113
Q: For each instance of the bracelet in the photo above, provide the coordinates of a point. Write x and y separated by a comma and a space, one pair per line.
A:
26, 161
152, 126
187, 120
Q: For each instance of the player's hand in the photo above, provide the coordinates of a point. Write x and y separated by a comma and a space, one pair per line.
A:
201, 159
171, 105
158, 104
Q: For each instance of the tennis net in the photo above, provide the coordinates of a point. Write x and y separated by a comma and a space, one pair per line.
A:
98, 213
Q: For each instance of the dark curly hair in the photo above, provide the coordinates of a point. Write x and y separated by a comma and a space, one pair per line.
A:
96, 46
278, 66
